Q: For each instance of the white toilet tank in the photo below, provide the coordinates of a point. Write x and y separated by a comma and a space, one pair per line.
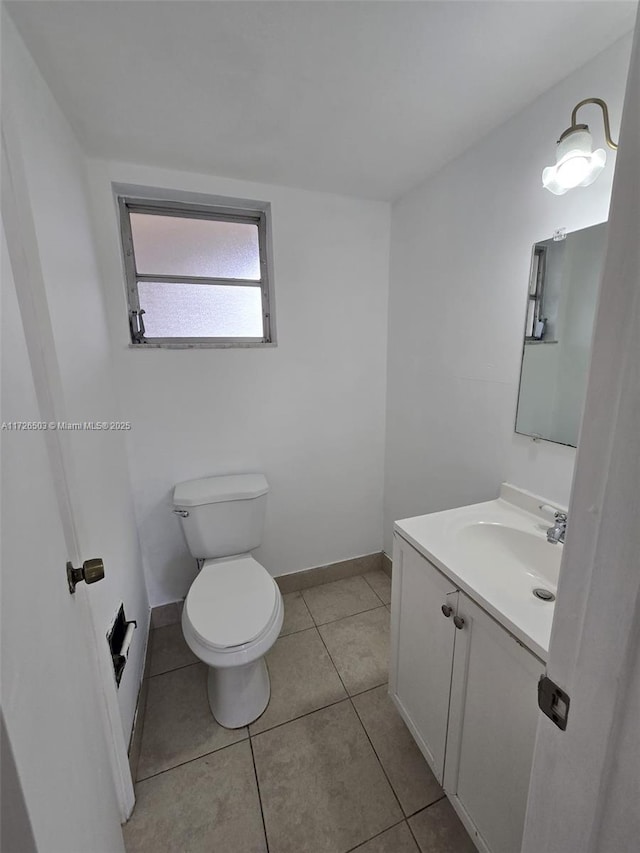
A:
222, 516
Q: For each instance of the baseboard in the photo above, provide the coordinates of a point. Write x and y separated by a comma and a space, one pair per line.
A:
331, 572
386, 564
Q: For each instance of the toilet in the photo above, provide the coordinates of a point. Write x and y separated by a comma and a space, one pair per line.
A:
233, 611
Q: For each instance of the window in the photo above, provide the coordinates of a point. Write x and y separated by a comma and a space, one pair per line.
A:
196, 275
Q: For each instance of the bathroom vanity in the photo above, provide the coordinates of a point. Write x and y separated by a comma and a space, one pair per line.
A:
469, 641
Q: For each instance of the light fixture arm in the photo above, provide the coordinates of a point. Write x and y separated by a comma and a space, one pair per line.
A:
577, 164
605, 113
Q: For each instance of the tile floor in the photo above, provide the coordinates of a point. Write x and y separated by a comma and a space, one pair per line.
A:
328, 768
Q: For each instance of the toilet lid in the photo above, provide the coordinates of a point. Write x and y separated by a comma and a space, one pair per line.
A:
230, 602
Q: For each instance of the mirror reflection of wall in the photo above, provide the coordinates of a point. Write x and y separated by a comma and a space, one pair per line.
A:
563, 292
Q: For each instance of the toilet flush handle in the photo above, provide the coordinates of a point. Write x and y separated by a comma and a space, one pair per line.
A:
183, 513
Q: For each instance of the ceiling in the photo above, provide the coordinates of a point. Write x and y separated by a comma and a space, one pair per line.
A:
357, 97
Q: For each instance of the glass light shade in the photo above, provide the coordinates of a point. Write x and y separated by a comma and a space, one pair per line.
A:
577, 165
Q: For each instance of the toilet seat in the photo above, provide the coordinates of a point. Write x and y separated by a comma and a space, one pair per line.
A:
231, 604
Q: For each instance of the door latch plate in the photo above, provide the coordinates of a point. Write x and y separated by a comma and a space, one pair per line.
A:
553, 702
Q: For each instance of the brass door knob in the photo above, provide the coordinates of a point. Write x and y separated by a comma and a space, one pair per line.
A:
92, 571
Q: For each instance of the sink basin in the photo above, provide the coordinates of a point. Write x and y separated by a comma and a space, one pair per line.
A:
491, 542
497, 553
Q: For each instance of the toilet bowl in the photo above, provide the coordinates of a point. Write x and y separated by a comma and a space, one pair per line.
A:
232, 616
233, 611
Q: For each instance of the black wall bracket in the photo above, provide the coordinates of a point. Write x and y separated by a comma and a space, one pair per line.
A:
119, 639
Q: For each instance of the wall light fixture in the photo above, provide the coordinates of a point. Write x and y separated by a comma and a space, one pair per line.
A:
577, 165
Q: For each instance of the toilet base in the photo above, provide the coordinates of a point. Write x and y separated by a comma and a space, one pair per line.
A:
238, 694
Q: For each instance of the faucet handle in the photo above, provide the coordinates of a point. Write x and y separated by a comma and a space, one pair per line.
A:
557, 514
546, 507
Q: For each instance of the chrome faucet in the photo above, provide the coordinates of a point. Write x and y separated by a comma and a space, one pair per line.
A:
557, 533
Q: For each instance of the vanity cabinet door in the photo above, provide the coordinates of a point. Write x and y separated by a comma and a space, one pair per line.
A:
492, 727
422, 641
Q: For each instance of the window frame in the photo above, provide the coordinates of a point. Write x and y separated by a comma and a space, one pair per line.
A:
217, 212
536, 292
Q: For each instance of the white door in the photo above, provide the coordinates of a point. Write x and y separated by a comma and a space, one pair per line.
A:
586, 779
422, 650
51, 695
492, 728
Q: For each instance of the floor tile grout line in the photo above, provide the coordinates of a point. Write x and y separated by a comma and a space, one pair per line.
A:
191, 760
375, 591
355, 711
264, 731
377, 835
426, 808
332, 705
368, 689
321, 708
348, 696
250, 734
255, 772
299, 717
249, 737
413, 835
317, 627
375, 752
333, 663
302, 592
174, 669
297, 631
349, 699
417, 811
326, 583
357, 613
306, 607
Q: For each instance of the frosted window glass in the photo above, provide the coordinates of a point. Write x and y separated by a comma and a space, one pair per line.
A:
176, 245
200, 310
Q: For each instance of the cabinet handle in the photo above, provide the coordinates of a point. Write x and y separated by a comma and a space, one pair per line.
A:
447, 610
458, 621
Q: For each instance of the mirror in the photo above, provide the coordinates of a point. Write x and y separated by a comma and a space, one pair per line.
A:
563, 291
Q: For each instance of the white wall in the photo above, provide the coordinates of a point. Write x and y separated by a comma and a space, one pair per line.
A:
78, 351
460, 255
309, 412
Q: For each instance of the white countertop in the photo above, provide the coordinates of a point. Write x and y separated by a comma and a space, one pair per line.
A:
497, 553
